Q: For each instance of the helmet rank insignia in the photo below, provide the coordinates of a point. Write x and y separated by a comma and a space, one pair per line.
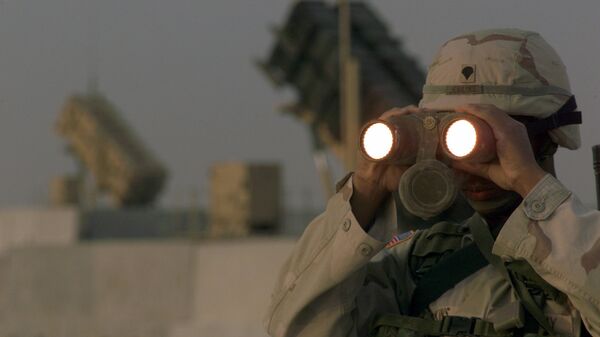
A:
467, 73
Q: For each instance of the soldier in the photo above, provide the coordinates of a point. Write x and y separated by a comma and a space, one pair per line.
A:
525, 263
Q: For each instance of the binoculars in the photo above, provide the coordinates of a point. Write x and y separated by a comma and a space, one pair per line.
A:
451, 135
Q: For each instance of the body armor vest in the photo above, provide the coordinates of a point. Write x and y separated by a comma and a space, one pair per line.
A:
434, 247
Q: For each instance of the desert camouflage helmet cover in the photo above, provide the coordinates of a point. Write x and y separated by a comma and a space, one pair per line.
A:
516, 70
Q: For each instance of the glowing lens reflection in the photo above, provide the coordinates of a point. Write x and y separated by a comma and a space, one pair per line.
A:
378, 141
461, 138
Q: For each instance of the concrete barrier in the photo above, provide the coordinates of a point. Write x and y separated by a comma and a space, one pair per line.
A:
37, 226
139, 288
108, 289
234, 280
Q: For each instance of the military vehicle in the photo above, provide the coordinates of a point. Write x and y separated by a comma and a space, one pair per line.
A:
306, 57
104, 143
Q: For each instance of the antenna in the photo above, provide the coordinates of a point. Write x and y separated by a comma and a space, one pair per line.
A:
92, 57
596, 160
349, 78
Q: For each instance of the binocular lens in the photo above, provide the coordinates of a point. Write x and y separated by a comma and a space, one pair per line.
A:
461, 138
377, 141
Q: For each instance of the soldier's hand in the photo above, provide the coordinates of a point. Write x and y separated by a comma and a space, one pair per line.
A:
373, 181
515, 168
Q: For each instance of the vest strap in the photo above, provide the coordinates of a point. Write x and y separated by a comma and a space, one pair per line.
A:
445, 275
389, 325
485, 242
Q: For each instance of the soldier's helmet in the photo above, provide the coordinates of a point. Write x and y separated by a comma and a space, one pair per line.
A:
516, 70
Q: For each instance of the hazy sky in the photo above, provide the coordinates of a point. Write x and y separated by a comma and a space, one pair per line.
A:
182, 73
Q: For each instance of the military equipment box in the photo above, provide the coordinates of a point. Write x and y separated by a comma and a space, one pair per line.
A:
244, 198
107, 146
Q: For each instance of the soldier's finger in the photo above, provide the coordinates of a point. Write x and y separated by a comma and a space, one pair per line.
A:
486, 112
498, 120
400, 111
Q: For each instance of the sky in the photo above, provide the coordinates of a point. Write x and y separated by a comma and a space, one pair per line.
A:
182, 73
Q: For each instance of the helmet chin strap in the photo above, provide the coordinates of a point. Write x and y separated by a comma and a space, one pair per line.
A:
566, 115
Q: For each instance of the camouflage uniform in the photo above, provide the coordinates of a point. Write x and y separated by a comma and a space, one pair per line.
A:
339, 278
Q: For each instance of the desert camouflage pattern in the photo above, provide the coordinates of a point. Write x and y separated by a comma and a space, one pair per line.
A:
338, 276
518, 71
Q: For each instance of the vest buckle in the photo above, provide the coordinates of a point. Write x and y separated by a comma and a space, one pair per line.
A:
458, 326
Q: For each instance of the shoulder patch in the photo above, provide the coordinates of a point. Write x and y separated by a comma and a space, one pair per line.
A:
399, 238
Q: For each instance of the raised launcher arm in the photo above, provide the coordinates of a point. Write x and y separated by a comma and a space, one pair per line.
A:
304, 56
107, 146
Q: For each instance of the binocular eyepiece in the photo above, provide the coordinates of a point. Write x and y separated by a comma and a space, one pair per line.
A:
459, 136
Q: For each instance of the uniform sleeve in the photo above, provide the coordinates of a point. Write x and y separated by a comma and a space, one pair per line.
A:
560, 238
337, 276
